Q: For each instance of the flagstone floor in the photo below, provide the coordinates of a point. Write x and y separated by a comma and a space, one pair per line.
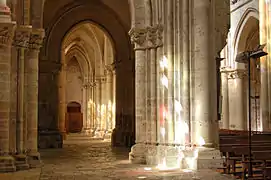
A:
96, 160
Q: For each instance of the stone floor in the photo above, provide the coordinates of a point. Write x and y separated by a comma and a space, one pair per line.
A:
96, 160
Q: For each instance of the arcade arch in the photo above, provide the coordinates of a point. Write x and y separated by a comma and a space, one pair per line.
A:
94, 35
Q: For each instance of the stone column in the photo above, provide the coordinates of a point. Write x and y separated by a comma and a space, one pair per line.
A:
21, 40
92, 108
204, 95
86, 123
137, 154
237, 94
32, 74
62, 106
114, 100
264, 96
97, 106
225, 100
109, 92
103, 104
7, 30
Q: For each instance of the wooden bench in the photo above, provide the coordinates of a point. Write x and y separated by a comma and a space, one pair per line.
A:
235, 148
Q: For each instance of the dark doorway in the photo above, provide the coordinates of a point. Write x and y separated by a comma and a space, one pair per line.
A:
74, 118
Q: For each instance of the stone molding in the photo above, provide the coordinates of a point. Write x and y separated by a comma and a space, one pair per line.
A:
36, 39
148, 37
237, 74
7, 31
22, 36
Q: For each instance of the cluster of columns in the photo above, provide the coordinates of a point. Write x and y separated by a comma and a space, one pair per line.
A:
234, 86
104, 104
98, 103
19, 52
265, 38
234, 99
175, 83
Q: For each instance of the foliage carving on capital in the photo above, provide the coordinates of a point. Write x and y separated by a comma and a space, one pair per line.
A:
154, 35
36, 39
148, 37
138, 35
22, 36
237, 74
7, 31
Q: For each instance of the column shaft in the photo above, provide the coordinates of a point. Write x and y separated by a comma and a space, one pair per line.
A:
84, 106
203, 70
6, 36
62, 121
109, 92
32, 74
98, 105
237, 94
264, 98
225, 101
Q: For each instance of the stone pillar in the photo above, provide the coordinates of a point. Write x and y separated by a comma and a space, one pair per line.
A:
86, 120
204, 121
109, 92
62, 106
204, 95
138, 151
225, 100
237, 94
114, 100
7, 29
32, 74
103, 104
21, 40
264, 96
92, 107
97, 125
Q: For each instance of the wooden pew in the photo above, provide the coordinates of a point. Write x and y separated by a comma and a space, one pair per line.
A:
234, 147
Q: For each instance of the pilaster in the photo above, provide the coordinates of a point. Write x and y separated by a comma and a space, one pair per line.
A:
265, 99
32, 74
237, 99
146, 41
21, 41
225, 99
7, 29
86, 119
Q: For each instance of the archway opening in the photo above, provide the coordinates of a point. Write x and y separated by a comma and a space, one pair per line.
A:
249, 41
64, 49
88, 77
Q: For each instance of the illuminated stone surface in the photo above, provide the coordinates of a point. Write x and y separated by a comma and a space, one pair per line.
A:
96, 160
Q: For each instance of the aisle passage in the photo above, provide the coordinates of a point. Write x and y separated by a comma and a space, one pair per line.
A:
96, 160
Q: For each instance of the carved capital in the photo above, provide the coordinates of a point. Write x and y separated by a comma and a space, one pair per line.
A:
22, 36
109, 69
138, 35
36, 39
154, 36
237, 74
148, 37
7, 31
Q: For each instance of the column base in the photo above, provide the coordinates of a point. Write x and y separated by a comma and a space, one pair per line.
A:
116, 137
7, 164
138, 154
50, 139
34, 159
21, 162
87, 131
108, 134
99, 133
202, 158
168, 157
